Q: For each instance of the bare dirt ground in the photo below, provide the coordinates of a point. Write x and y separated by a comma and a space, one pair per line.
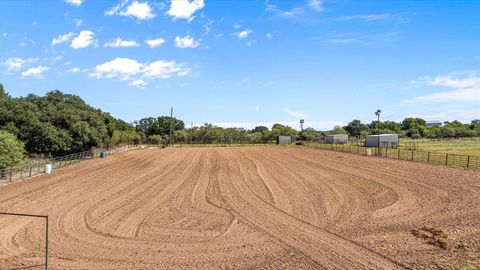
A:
242, 208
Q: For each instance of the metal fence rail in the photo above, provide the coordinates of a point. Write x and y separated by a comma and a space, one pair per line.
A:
453, 160
17, 173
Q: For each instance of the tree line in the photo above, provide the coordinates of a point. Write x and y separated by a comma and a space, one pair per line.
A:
57, 124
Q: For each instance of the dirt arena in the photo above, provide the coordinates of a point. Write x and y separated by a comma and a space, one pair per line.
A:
242, 208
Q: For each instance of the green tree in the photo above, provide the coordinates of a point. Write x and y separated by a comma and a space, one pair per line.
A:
355, 128
3, 93
155, 139
11, 150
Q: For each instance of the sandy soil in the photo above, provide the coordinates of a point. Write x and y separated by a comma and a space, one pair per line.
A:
242, 208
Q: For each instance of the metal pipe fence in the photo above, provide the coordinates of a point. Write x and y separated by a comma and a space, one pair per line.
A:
453, 160
13, 174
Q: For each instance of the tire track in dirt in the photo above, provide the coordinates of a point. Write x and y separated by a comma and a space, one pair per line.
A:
239, 208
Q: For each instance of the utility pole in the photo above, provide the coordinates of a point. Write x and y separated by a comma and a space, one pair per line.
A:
377, 113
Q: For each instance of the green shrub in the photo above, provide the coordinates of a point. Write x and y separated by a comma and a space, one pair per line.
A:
12, 150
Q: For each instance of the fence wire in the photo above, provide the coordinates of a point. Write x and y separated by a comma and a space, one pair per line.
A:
453, 160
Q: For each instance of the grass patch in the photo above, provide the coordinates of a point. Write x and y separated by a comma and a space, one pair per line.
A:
463, 266
433, 236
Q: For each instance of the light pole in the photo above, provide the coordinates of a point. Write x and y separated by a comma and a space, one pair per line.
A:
377, 113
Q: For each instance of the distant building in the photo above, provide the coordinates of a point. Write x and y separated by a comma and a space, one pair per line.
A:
337, 139
386, 140
284, 139
434, 124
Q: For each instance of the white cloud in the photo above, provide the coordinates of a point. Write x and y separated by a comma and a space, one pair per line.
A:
366, 17
286, 14
35, 72
135, 72
294, 113
78, 22
121, 68
269, 35
164, 69
257, 108
243, 34
316, 5
462, 115
83, 40
34, 23
58, 58
186, 42
62, 38
155, 42
139, 83
75, 2
118, 42
16, 63
139, 10
465, 89
184, 9
76, 70
22, 44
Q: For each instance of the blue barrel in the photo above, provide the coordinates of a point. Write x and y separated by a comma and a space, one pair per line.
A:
103, 154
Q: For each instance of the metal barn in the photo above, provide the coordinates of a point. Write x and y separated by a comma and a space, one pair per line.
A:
386, 140
284, 139
337, 139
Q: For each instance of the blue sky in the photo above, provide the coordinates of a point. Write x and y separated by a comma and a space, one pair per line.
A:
244, 63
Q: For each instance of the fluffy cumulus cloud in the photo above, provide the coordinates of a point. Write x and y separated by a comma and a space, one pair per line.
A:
186, 42
184, 9
62, 38
118, 42
83, 40
243, 34
16, 63
126, 69
155, 42
75, 2
461, 89
137, 9
36, 72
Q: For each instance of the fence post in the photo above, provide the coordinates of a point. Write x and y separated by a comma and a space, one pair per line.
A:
428, 157
398, 155
468, 161
446, 159
30, 174
412, 155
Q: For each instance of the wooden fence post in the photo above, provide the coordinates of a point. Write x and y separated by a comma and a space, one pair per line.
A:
412, 155
468, 161
428, 157
446, 159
